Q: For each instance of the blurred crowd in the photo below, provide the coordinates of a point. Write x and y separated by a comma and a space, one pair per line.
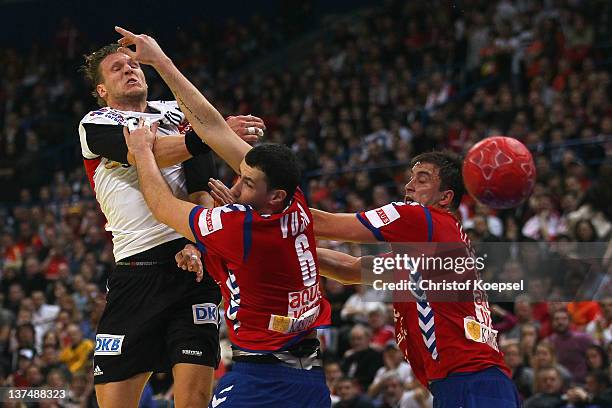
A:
369, 93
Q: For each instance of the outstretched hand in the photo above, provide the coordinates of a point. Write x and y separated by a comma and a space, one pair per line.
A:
147, 50
250, 128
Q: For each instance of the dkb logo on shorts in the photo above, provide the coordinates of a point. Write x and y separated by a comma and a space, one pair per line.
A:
108, 344
205, 313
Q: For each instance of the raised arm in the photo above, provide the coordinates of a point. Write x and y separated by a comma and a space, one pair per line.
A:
340, 227
204, 118
172, 149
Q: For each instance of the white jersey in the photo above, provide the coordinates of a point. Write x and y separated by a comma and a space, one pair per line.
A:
132, 224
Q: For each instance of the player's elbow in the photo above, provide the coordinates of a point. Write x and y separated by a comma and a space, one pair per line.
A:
161, 213
160, 207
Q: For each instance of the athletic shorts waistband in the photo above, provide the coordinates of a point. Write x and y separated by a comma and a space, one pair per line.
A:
279, 371
162, 253
490, 373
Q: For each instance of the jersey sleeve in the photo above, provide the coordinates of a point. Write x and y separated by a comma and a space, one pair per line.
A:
399, 222
198, 170
101, 135
224, 231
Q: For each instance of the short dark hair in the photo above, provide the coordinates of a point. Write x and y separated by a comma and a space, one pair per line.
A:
279, 164
600, 376
450, 168
91, 68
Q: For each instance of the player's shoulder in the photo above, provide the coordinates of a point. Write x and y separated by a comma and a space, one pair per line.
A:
104, 116
163, 106
386, 214
234, 209
214, 219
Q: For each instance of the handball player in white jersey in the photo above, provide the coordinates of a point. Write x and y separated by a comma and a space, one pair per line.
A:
157, 318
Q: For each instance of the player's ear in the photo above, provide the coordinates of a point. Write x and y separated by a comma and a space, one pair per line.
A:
446, 198
101, 90
278, 197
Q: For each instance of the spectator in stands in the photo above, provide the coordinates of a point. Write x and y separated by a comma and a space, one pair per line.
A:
594, 394
357, 306
361, 361
570, 346
512, 323
333, 373
50, 361
522, 375
528, 341
550, 389
600, 329
350, 397
78, 350
545, 357
394, 364
382, 332
596, 358
33, 278
43, 315
395, 395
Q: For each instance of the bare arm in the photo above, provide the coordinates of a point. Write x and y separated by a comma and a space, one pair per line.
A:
166, 208
341, 267
340, 227
204, 118
171, 150
168, 151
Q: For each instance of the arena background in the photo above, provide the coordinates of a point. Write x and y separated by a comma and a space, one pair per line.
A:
356, 88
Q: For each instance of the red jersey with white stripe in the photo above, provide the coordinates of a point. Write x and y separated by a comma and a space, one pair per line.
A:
437, 338
266, 266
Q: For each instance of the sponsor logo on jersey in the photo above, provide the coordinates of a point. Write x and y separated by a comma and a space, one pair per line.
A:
480, 333
97, 371
304, 300
286, 324
205, 313
108, 344
210, 220
382, 216
98, 112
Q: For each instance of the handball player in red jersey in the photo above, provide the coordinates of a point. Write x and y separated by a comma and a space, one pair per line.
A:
450, 345
261, 251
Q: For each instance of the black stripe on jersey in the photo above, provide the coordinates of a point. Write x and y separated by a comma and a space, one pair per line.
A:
198, 170
173, 117
106, 141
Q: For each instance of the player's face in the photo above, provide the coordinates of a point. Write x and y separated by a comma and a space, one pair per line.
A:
251, 187
424, 186
122, 78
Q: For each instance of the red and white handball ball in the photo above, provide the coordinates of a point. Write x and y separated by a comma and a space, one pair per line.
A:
499, 172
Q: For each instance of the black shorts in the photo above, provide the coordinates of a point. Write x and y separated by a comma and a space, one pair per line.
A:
156, 316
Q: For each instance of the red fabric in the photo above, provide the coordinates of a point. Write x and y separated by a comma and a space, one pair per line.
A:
405, 223
266, 269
